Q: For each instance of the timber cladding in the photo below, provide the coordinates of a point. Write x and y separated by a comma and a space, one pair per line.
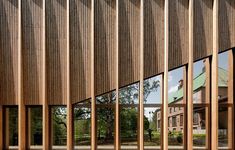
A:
105, 48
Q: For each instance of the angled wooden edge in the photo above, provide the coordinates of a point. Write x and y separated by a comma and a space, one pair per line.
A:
214, 79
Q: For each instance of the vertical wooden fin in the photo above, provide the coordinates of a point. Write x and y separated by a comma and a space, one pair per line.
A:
70, 143
141, 92
93, 101
165, 76
46, 121
230, 99
117, 127
190, 79
214, 82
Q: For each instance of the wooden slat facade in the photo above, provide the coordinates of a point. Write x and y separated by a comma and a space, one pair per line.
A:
60, 52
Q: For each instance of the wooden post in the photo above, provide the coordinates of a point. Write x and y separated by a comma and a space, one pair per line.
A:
190, 80
230, 99
93, 101
207, 101
45, 109
214, 82
117, 131
141, 92
70, 143
165, 90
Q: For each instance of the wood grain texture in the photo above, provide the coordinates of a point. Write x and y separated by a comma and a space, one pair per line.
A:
9, 21
129, 41
80, 50
178, 33
32, 15
56, 49
105, 46
153, 37
226, 24
202, 31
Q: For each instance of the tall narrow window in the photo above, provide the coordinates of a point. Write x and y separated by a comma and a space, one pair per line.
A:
82, 125
129, 118
152, 112
225, 100
34, 126
176, 108
105, 120
59, 127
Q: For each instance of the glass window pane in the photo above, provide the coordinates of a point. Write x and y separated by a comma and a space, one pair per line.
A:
176, 127
35, 118
175, 86
12, 116
59, 126
129, 94
129, 128
152, 91
82, 125
152, 127
105, 128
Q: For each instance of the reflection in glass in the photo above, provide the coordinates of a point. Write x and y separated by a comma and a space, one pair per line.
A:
105, 126
176, 127
12, 116
82, 125
129, 127
175, 84
152, 90
35, 115
59, 126
152, 127
108, 98
129, 94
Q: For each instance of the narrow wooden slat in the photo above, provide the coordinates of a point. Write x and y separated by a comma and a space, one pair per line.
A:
45, 109
70, 141
141, 88
93, 101
165, 76
230, 99
214, 81
190, 78
207, 118
117, 111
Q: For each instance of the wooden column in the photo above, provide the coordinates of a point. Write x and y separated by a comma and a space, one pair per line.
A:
21, 109
230, 99
190, 79
141, 89
165, 76
1, 127
207, 101
45, 109
117, 109
214, 81
93, 101
70, 143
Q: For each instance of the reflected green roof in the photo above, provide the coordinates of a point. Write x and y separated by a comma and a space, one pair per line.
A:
199, 82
